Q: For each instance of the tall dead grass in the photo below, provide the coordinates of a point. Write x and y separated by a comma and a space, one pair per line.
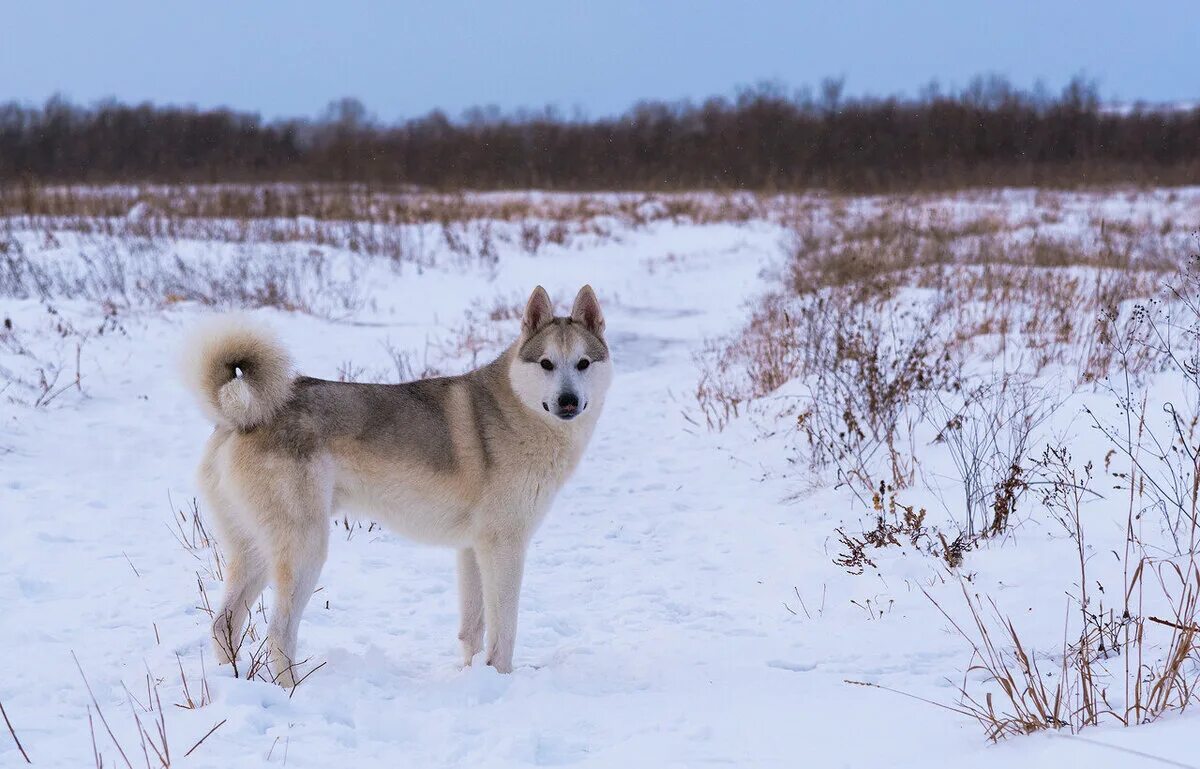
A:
147, 272
1138, 660
1129, 668
881, 305
367, 204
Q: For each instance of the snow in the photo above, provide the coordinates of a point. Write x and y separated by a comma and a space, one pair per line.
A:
680, 605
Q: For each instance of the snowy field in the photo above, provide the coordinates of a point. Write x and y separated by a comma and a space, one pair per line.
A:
693, 597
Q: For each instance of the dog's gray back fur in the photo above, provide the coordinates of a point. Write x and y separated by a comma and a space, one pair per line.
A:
410, 419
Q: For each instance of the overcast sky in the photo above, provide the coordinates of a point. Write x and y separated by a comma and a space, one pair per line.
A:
403, 59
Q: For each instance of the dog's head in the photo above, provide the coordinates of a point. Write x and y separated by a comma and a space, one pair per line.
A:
561, 368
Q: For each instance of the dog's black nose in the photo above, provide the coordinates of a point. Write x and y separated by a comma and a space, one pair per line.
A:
568, 402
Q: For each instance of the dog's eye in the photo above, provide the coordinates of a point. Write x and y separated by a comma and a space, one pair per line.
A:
584, 363
546, 364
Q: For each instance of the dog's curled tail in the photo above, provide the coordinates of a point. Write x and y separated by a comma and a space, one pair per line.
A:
239, 371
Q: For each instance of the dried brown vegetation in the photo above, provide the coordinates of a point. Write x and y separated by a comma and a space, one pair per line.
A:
1138, 660
309, 248
295, 211
897, 525
881, 303
1129, 668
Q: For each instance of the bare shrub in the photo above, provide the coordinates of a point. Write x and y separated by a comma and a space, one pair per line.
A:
1162, 447
896, 524
404, 368
842, 327
42, 370
1126, 669
769, 352
1133, 667
874, 384
988, 437
124, 273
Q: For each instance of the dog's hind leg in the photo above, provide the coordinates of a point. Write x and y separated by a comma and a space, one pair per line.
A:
245, 578
501, 565
245, 567
295, 523
296, 565
470, 603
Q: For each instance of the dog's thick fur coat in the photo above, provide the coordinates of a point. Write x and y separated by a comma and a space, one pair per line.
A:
471, 462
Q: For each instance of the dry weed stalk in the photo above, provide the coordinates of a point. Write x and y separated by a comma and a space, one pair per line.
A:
13, 732
203, 697
190, 531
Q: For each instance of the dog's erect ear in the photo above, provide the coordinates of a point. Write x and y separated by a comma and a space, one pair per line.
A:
586, 310
538, 312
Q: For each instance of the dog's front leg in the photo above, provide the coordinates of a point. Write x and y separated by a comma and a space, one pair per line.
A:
470, 604
501, 564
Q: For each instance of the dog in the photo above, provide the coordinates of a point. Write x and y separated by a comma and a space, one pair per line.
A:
472, 462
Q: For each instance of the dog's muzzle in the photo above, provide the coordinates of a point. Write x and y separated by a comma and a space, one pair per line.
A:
567, 407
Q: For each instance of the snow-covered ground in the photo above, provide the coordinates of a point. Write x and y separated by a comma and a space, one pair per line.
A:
681, 605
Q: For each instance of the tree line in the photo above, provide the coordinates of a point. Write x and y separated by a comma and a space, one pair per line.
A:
989, 133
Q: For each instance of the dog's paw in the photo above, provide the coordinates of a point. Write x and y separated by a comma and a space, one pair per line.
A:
281, 667
471, 641
221, 651
286, 677
469, 651
501, 666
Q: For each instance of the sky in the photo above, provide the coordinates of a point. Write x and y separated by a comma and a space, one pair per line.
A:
403, 59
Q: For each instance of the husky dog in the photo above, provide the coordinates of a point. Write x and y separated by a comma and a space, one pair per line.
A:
471, 462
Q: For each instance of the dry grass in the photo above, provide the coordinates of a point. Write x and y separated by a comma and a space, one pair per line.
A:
372, 204
871, 346
46, 362
1129, 671
400, 226
295, 247
188, 528
203, 696
119, 271
1139, 661
248, 648
881, 304
149, 721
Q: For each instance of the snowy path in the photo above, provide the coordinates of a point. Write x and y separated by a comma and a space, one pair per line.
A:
653, 630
